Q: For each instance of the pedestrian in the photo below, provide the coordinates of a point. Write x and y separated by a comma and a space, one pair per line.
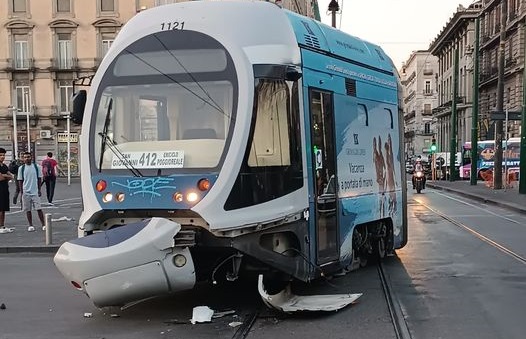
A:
49, 171
13, 168
5, 176
29, 181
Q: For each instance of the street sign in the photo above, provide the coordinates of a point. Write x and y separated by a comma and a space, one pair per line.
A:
512, 115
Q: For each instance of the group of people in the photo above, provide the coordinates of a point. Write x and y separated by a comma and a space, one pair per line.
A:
29, 178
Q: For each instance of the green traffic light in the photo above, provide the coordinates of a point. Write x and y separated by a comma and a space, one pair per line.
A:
433, 148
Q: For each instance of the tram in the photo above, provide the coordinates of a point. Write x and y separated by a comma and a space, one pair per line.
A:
225, 139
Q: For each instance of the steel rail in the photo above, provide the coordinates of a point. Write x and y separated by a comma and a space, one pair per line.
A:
395, 310
482, 237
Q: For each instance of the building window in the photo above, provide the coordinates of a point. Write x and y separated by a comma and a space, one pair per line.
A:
428, 87
21, 52
105, 45
63, 6
19, 6
427, 128
427, 109
65, 60
107, 5
23, 99
65, 93
164, 2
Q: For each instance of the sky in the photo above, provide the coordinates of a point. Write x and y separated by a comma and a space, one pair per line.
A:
398, 26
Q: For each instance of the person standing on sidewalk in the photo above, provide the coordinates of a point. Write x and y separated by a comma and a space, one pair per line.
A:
49, 170
13, 168
29, 181
5, 176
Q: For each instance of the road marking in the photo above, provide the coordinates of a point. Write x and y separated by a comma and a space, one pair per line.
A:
480, 208
476, 234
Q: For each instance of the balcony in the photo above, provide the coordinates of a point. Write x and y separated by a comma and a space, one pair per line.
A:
427, 92
409, 115
64, 64
20, 65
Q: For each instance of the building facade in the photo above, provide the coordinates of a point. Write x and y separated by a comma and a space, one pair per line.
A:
514, 60
418, 77
46, 45
457, 37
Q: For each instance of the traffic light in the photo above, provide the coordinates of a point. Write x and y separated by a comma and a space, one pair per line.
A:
433, 145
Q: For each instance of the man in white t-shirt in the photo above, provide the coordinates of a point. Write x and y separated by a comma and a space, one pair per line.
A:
29, 180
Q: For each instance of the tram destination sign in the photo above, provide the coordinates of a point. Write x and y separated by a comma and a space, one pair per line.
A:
499, 115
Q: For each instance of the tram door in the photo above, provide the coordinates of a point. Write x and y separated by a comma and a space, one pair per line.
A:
324, 166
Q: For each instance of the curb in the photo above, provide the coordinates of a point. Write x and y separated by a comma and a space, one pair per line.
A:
29, 249
479, 198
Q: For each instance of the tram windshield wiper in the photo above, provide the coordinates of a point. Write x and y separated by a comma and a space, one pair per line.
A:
107, 141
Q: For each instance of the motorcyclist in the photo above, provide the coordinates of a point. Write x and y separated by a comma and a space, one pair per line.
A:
419, 168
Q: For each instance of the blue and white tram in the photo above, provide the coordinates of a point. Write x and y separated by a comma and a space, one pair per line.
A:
223, 138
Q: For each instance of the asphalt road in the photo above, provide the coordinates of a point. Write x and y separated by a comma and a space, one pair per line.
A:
462, 275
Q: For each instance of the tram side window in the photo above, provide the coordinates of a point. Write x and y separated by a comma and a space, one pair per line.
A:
272, 167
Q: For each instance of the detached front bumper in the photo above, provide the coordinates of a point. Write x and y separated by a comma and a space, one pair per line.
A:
128, 263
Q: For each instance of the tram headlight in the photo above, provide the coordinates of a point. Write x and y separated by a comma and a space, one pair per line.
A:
119, 197
192, 197
179, 260
107, 197
178, 197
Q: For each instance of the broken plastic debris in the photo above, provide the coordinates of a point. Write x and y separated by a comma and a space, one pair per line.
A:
222, 314
64, 218
201, 314
288, 302
88, 315
235, 323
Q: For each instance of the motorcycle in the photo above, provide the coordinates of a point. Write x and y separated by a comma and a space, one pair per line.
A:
418, 180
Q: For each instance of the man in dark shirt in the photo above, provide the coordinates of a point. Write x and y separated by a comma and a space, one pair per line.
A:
5, 176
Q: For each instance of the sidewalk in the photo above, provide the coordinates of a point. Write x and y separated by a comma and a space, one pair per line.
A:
65, 214
506, 198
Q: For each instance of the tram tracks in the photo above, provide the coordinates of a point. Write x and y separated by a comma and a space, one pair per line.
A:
395, 310
479, 235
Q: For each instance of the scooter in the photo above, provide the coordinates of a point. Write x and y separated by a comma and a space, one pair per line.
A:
418, 178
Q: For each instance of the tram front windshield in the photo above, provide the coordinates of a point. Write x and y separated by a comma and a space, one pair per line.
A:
167, 103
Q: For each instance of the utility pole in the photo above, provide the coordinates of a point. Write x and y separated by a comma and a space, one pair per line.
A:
475, 107
497, 172
453, 130
333, 8
522, 168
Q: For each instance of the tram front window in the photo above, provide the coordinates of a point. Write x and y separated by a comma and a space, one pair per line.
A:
163, 105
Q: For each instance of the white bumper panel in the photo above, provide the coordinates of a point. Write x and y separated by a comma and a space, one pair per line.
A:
127, 264
287, 302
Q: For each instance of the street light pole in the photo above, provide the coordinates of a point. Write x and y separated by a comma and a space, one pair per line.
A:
68, 146
15, 133
333, 8
475, 109
26, 107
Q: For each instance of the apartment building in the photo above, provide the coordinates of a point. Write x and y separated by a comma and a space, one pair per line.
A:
48, 45
457, 38
514, 60
418, 77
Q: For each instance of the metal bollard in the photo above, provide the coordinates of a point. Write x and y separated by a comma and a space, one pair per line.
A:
49, 238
